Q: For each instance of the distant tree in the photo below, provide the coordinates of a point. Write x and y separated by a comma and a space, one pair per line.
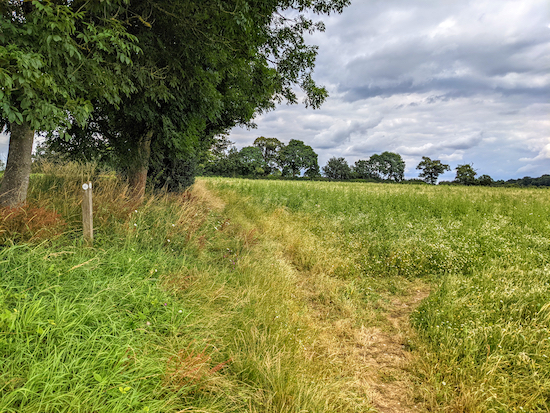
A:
270, 148
543, 180
226, 162
251, 161
337, 168
297, 157
365, 169
389, 165
431, 169
216, 160
313, 171
220, 147
485, 180
2, 165
465, 175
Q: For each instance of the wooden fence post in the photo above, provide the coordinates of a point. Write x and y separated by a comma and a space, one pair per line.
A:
87, 213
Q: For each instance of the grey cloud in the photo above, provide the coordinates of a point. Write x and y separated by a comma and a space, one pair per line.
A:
462, 143
410, 59
433, 75
342, 131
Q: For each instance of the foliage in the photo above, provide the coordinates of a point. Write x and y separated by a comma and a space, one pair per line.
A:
56, 58
541, 181
431, 169
172, 173
337, 168
465, 175
366, 169
485, 180
297, 157
387, 165
270, 148
252, 161
390, 165
230, 66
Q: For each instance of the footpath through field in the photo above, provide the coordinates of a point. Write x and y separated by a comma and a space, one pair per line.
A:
362, 327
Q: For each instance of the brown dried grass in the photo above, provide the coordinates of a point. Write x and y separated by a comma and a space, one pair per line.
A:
29, 223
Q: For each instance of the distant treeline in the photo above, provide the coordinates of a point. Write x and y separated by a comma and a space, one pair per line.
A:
269, 158
543, 180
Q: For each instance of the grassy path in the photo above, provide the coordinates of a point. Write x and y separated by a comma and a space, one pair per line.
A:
364, 346
387, 357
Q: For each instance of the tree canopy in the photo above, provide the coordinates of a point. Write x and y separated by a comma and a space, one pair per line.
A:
297, 157
205, 67
465, 174
337, 168
365, 169
431, 169
55, 59
270, 150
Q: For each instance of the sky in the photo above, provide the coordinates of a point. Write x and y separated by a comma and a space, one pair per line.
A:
465, 82
456, 80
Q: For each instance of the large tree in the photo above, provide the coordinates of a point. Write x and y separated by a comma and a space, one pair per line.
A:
55, 58
431, 169
366, 169
206, 67
297, 157
251, 161
389, 165
337, 168
270, 148
465, 174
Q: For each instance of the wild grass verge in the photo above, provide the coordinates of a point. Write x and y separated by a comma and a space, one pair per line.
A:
180, 305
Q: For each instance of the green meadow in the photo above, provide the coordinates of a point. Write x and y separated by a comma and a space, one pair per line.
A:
250, 296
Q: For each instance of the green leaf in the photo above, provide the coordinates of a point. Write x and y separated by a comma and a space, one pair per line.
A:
98, 377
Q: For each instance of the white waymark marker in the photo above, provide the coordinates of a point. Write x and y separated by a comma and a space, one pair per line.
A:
87, 213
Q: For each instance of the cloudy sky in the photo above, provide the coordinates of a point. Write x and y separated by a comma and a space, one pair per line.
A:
457, 80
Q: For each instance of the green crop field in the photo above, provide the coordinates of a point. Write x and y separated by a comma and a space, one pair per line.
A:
262, 296
486, 252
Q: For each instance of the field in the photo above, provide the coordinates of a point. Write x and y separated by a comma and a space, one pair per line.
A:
483, 332
256, 296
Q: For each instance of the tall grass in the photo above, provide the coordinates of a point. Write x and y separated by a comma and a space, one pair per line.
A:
180, 305
248, 301
484, 337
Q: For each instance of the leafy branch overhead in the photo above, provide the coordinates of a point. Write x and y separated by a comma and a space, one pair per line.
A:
54, 61
160, 78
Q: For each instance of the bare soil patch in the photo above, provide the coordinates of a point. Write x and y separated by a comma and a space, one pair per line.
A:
378, 357
386, 357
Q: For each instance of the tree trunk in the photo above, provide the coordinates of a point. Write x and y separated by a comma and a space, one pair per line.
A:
13, 190
137, 171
